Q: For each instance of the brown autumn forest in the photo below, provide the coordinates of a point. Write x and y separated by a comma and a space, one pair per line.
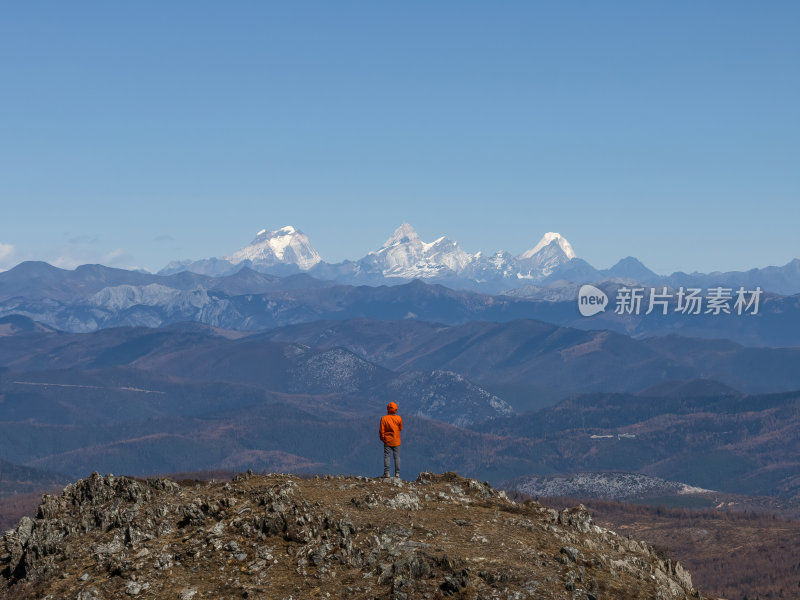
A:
730, 554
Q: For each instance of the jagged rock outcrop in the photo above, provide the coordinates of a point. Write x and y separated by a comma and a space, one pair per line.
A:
286, 538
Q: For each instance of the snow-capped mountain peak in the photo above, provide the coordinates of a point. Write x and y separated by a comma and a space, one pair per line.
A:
547, 239
288, 230
541, 261
286, 245
405, 255
402, 235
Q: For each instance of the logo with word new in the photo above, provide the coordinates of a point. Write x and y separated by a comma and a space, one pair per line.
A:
591, 300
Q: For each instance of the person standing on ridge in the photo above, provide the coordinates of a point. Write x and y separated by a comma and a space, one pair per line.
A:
390, 428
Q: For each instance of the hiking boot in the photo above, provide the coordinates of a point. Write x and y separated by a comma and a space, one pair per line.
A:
397, 474
385, 476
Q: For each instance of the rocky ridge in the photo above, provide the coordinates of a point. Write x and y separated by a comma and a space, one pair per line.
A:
282, 537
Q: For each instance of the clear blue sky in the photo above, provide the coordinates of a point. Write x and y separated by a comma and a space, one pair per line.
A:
140, 132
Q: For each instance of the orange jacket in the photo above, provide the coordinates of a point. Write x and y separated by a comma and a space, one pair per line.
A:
390, 428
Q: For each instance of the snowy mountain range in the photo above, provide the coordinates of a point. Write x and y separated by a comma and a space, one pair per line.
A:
403, 257
538, 273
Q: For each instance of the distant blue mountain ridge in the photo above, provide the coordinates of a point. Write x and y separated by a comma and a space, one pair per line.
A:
94, 297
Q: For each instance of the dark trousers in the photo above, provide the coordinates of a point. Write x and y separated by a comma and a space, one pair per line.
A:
387, 451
